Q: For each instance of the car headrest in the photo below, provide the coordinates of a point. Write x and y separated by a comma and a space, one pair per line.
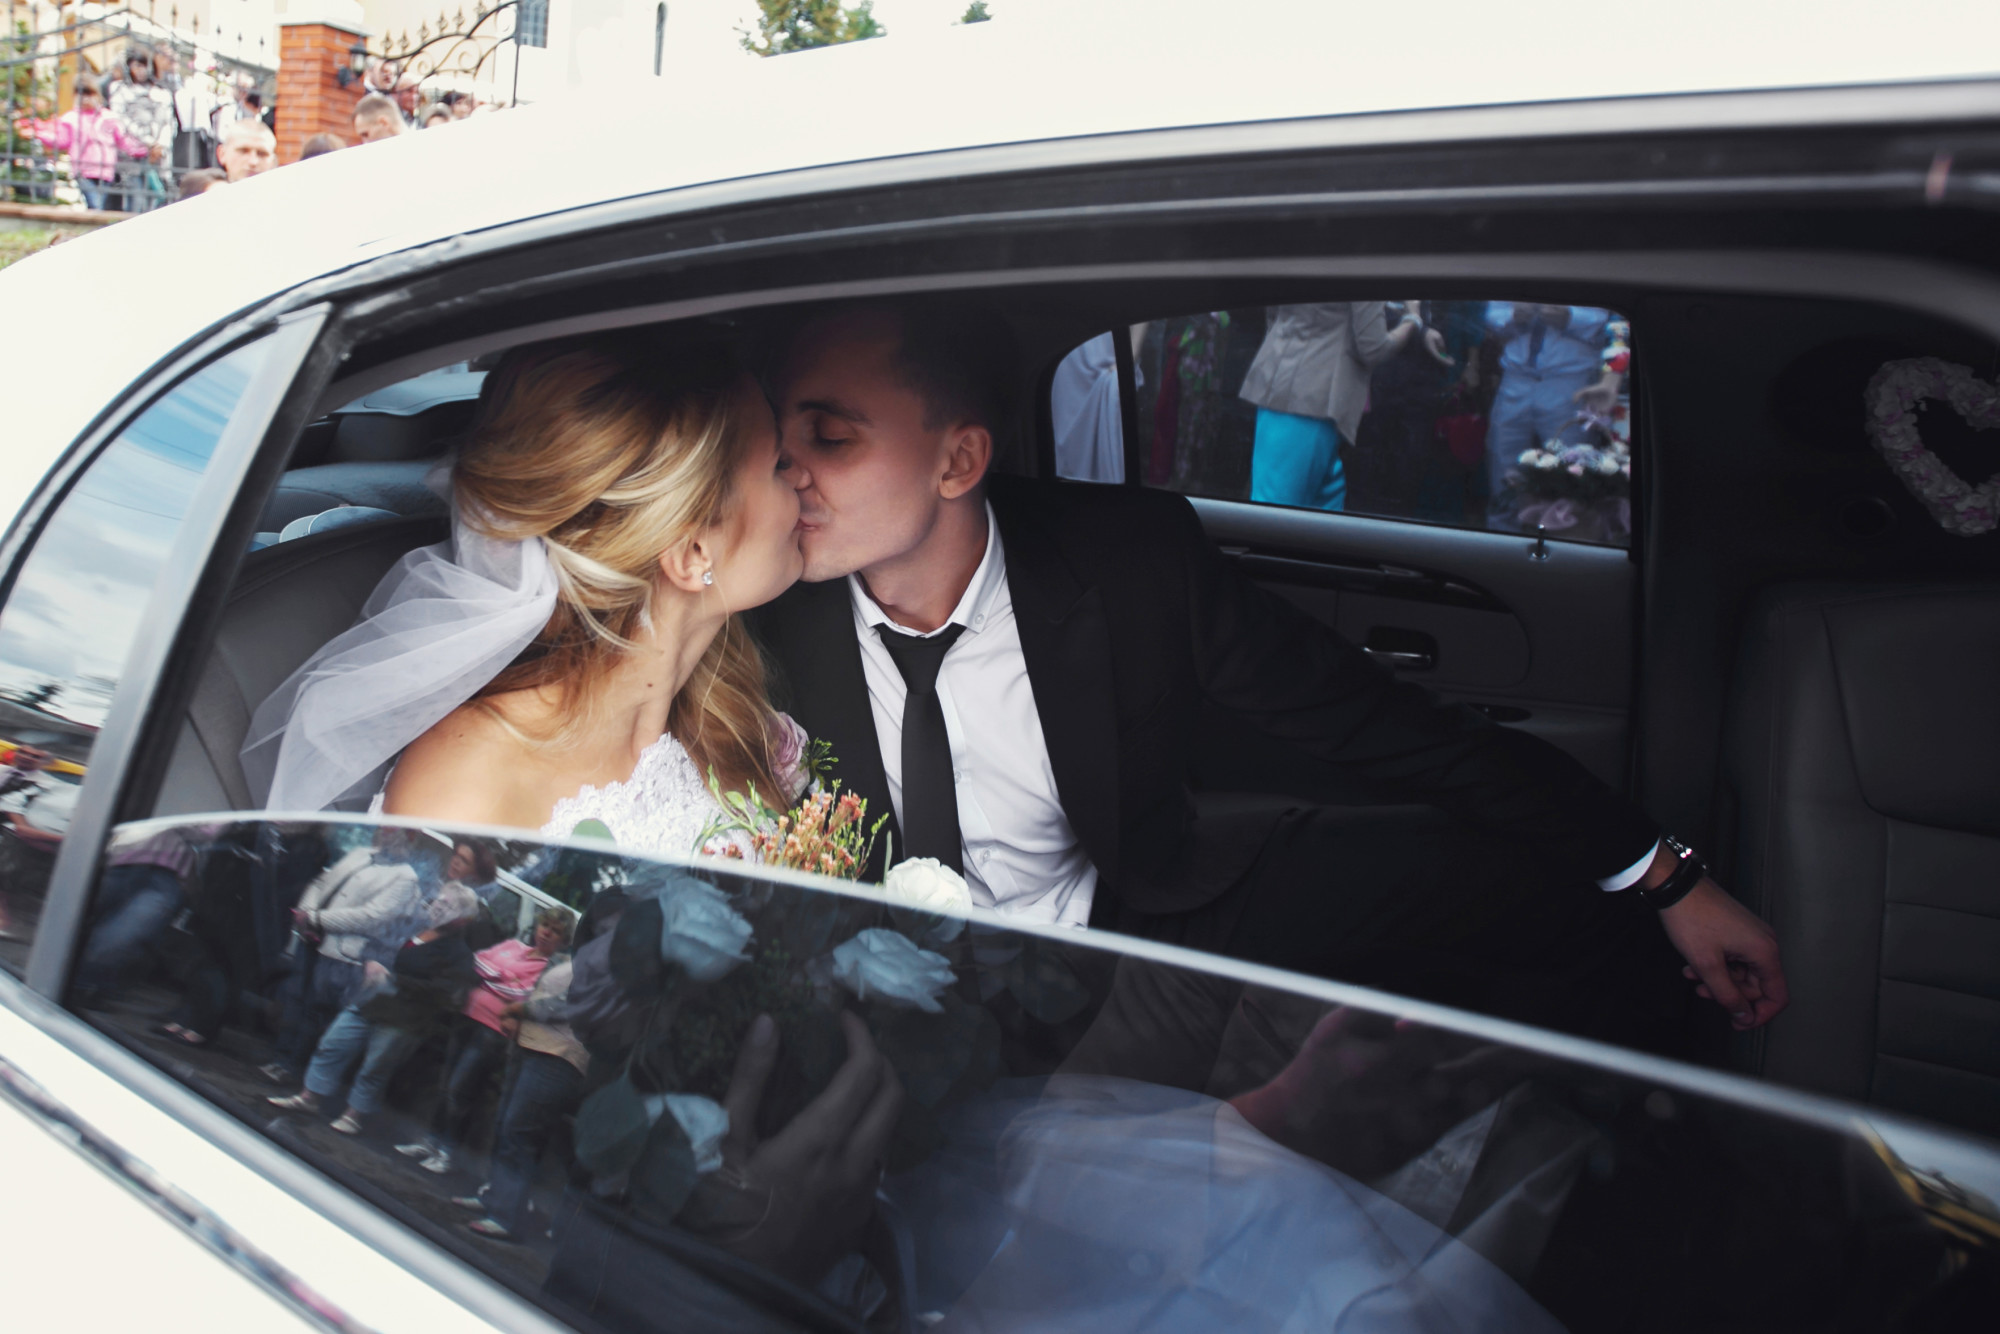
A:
396, 487
414, 419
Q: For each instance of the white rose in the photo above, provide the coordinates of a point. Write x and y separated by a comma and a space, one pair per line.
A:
700, 931
927, 884
879, 964
703, 1120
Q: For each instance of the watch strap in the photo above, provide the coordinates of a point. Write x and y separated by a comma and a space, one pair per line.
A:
1689, 871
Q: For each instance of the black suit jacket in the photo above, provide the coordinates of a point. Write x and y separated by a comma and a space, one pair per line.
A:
1129, 620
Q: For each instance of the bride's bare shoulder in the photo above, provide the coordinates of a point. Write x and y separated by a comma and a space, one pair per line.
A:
472, 766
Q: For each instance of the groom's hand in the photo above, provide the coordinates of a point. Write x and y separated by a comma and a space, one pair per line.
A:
1732, 955
1367, 1092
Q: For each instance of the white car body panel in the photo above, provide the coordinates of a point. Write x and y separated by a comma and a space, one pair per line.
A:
68, 1223
1098, 73
82, 1252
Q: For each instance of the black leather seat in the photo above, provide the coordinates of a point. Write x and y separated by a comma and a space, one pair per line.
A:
394, 486
1863, 764
289, 600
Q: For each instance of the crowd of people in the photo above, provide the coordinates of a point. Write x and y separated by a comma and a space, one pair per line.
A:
1508, 416
147, 136
396, 958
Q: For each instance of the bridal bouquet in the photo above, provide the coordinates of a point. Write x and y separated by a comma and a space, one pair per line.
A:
691, 964
826, 832
1579, 490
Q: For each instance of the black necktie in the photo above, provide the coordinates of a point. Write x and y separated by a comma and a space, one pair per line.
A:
930, 795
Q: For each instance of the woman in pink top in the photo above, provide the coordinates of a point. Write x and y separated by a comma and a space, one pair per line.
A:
484, 1034
92, 137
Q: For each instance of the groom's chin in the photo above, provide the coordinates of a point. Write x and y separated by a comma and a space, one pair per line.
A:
819, 565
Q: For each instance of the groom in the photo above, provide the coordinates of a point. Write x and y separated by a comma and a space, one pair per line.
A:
1015, 669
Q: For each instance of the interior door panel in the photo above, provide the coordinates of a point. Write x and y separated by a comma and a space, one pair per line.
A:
1538, 636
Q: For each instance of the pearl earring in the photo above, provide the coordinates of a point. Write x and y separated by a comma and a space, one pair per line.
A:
707, 577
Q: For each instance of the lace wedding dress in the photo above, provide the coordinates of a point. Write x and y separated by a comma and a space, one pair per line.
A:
662, 809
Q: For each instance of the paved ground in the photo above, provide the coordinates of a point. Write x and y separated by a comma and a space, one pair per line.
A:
226, 1071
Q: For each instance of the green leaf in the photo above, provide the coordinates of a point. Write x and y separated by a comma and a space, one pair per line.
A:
611, 1129
596, 829
664, 1175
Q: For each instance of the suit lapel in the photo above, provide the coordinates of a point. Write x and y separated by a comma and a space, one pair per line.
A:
1066, 642
810, 633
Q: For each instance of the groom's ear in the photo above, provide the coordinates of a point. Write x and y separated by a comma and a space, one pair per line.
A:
969, 452
683, 566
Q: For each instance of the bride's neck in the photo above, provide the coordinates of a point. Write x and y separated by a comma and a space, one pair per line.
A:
639, 692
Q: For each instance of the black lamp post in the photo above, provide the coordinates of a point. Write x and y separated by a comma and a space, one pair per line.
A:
357, 64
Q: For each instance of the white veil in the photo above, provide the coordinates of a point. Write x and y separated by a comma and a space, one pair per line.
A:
441, 624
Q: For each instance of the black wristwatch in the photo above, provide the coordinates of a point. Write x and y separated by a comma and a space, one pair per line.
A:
1690, 871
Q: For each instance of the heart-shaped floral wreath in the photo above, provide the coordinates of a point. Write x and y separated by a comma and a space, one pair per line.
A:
1893, 397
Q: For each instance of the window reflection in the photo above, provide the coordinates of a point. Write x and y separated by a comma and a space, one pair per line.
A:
71, 617
1497, 415
699, 1098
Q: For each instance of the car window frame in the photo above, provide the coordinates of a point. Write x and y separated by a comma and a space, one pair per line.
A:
200, 540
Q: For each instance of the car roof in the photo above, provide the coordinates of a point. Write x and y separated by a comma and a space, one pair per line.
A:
1095, 78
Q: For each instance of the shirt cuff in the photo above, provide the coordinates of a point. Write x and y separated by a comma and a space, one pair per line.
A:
1632, 874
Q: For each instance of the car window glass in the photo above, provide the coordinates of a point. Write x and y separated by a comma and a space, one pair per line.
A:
1078, 1124
72, 614
1497, 415
368, 460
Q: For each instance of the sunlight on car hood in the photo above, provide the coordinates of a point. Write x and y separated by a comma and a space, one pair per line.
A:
1051, 73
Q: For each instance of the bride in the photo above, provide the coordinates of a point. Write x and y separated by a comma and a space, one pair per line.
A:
573, 653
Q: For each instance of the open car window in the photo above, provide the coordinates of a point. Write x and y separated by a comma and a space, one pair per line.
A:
543, 1057
1500, 416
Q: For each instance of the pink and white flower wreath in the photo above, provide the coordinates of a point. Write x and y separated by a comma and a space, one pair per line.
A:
1893, 398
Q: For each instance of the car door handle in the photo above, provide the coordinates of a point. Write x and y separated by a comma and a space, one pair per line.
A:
1403, 659
1360, 576
1401, 650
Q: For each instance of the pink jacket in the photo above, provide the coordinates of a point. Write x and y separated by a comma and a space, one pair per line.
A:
507, 973
93, 140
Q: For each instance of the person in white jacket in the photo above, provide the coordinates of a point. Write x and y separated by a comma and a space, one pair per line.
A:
356, 909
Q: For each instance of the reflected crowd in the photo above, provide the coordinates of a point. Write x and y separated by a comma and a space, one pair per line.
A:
631, 1087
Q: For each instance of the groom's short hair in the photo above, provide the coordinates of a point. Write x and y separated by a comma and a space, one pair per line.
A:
959, 357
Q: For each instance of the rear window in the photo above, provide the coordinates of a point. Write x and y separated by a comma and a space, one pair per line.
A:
1505, 416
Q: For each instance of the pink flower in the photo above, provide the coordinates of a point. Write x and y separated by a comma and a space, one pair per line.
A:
788, 756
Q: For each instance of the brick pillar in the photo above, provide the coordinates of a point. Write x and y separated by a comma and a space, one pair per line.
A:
314, 38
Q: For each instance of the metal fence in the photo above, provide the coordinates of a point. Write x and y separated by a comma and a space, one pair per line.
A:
38, 70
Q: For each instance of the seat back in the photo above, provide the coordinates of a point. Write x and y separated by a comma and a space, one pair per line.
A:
289, 600
396, 486
1864, 768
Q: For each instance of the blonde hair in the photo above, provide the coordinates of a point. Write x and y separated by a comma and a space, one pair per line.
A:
612, 454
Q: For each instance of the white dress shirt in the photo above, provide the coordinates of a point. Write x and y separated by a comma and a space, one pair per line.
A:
1021, 856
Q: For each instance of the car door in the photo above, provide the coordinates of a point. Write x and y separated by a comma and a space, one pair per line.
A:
1467, 519
132, 1193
